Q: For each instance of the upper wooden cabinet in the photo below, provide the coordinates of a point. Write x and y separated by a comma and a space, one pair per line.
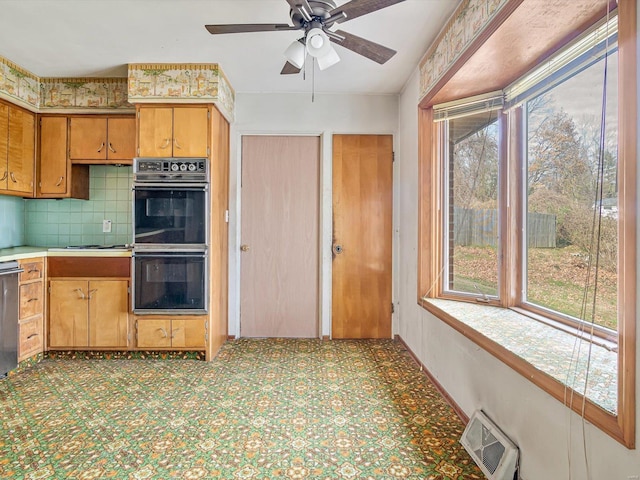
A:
57, 178
102, 140
173, 131
17, 151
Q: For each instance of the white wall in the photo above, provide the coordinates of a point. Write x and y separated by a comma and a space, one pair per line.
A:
296, 114
548, 434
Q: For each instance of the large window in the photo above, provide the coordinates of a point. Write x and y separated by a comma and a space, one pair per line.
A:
571, 197
471, 260
530, 205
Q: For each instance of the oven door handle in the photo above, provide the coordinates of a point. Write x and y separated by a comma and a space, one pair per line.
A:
163, 254
171, 186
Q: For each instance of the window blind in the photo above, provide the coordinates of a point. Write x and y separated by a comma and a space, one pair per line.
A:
468, 106
588, 49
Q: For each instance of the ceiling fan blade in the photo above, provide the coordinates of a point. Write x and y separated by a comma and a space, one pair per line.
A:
373, 51
357, 8
248, 27
289, 69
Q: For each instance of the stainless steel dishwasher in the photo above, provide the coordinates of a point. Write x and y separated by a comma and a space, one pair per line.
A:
8, 316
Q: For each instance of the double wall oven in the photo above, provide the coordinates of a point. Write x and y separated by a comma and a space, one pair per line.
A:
170, 235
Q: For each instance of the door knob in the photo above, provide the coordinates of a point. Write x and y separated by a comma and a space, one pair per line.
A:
337, 249
244, 248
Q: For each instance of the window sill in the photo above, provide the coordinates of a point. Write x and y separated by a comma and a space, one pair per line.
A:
533, 348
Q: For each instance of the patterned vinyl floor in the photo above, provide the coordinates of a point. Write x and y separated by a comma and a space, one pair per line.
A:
264, 409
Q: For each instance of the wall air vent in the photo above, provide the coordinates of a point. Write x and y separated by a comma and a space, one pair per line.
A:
492, 450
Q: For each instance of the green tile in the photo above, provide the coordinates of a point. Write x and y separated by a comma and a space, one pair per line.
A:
124, 183
111, 183
122, 194
75, 229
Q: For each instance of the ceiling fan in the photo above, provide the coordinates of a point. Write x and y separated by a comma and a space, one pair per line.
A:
315, 18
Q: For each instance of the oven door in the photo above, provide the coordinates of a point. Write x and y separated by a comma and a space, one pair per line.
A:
170, 214
170, 282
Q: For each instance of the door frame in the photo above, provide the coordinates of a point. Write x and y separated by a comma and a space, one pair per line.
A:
234, 248
326, 222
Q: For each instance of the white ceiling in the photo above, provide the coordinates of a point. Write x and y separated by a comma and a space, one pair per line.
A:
98, 38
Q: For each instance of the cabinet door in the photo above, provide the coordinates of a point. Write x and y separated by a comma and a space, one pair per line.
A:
121, 139
87, 138
22, 150
155, 131
187, 333
108, 313
4, 145
154, 333
68, 314
190, 131
53, 156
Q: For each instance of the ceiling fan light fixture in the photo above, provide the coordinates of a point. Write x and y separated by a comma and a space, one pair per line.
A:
329, 59
318, 43
295, 53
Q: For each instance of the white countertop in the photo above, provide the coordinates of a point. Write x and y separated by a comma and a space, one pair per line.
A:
19, 253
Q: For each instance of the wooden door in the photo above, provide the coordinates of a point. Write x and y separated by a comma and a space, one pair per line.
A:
190, 131
155, 131
362, 236
53, 156
21, 161
108, 317
280, 221
4, 145
68, 314
121, 139
188, 333
88, 138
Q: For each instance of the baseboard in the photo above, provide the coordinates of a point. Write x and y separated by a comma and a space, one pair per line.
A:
456, 408
231, 337
326, 337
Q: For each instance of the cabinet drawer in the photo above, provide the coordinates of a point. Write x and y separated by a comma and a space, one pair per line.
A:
30, 299
154, 333
31, 340
32, 271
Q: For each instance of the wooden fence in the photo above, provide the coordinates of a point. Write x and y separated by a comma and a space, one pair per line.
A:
480, 228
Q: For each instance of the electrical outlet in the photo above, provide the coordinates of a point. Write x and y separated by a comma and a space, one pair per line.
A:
106, 226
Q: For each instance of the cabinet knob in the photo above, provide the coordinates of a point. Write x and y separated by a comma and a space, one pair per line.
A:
59, 181
101, 147
13, 177
166, 143
4, 176
163, 332
111, 148
175, 140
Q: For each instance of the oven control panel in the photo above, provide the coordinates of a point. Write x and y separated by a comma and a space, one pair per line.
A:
153, 169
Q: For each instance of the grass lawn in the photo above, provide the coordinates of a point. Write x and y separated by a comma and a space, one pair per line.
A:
556, 280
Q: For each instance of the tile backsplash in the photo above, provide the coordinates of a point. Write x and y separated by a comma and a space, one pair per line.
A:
11, 221
59, 223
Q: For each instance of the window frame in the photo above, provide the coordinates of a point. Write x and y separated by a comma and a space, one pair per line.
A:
620, 426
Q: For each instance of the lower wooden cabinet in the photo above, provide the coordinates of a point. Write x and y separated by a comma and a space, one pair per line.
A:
178, 333
85, 313
31, 308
